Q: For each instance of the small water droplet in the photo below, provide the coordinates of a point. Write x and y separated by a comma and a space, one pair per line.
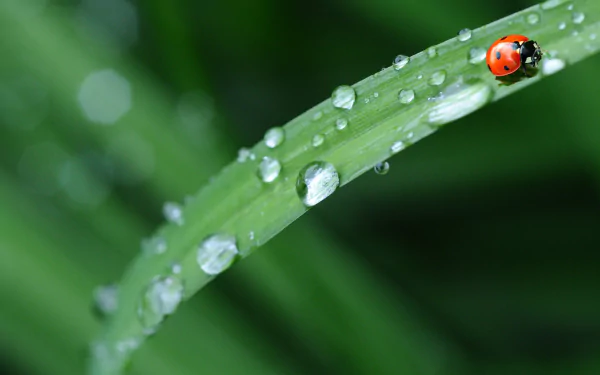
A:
593, 36
459, 100
533, 18
366, 100
173, 213
406, 96
551, 4
251, 235
176, 268
341, 124
317, 115
400, 62
343, 97
570, 7
476, 55
106, 299
431, 52
578, 17
274, 137
245, 154
464, 35
382, 168
376, 94
269, 169
397, 147
562, 26
160, 299
316, 181
216, 253
551, 66
318, 140
420, 76
154, 245
437, 78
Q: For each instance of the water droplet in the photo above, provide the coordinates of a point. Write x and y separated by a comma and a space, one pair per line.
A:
431, 52
154, 245
459, 100
251, 235
437, 78
476, 55
317, 115
400, 62
245, 154
106, 299
570, 7
420, 76
176, 268
160, 299
551, 66
551, 4
382, 168
341, 124
376, 94
316, 181
533, 18
274, 137
406, 96
216, 253
343, 97
173, 213
464, 35
366, 100
578, 17
562, 26
318, 140
269, 169
593, 36
397, 147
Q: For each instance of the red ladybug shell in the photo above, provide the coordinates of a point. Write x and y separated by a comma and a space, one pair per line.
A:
503, 57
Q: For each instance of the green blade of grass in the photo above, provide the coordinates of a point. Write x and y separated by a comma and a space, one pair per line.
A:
446, 87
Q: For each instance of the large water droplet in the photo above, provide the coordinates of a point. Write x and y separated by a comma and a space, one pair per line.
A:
397, 147
464, 35
400, 62
406, 96
160, 299
551, 66
459, 100
578, 17
106, 299
245, 154
437, 78
382, 168
173, 213
533, 18
318, 140
216, 253
154, 245
341, 124
316, 181
476, 55
269, 169
562, 26
343, 97
274, 137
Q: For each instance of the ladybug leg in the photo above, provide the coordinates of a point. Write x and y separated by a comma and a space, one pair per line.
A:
524, 69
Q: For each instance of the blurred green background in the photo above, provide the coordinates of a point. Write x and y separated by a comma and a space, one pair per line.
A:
476, 254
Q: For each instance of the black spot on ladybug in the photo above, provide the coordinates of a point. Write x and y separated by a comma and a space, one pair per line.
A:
506, 67
504, 37
498, 55
489, 67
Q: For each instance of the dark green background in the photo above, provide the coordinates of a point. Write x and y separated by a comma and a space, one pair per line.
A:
476, 254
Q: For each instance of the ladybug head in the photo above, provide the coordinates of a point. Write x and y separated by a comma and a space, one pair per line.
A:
531, 53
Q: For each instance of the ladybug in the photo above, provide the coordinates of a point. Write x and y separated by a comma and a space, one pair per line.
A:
509, 53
